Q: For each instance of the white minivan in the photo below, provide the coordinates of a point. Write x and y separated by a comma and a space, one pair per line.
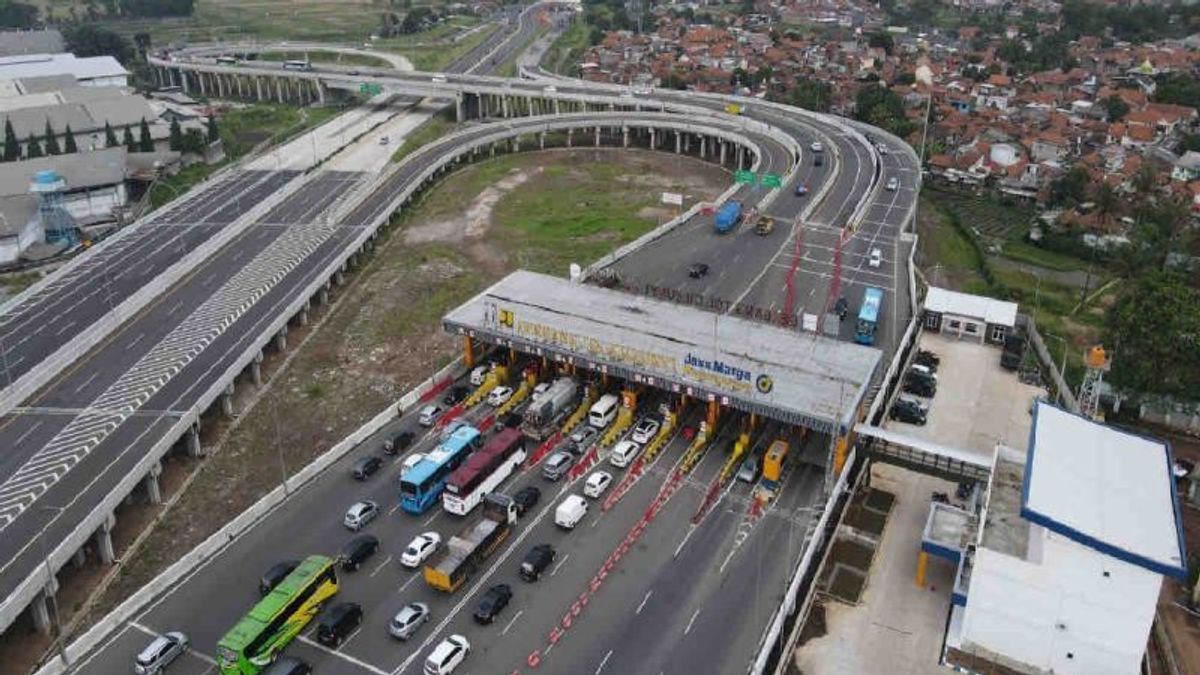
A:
623, 453
603, 411
570, 511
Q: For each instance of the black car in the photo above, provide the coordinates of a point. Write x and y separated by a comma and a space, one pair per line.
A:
841, 308
526, 498
456, 394
287, 665
365, 467
927, 358
513, 420
536, 561
818, 160
493, 601
338, 622
357, 550
275, 576
908, 411
697, 270
920, 386
398, 443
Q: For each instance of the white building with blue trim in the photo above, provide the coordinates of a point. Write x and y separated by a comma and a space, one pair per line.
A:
1075, 536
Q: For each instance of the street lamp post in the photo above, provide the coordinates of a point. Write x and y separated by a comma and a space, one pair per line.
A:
56, 627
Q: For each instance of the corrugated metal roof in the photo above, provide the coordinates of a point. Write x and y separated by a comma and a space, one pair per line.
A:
990, 310
40, 65
1107, 489
800, 378
79, 170
14, 42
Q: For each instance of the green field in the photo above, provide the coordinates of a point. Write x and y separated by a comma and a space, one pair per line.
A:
435, 57
338, 58
434, 128
563, 55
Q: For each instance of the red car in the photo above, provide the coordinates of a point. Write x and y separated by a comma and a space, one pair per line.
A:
688, 433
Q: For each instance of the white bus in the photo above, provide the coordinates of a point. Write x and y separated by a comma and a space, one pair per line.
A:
297, 65
227, 60
603, 411
483, 472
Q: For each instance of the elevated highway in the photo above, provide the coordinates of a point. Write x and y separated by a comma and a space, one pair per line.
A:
293, 255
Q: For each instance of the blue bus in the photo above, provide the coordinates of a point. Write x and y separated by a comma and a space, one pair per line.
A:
868, 316
422, 485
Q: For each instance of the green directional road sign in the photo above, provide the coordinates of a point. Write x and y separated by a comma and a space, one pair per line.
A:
369, 89
744, 177
771, 180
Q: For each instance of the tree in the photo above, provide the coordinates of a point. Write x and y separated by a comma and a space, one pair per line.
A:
1115, 107
12, 147
33, 149
110, 137
1145, 179
142, 42
1178, 88
214, 134
881, 40
1106, 202
883, 108
127, 140
18, 15
88, 39
1189, 142
145, 143
1153, 328
192, 143
1070, 188
69, 145
810, 94
175, 140
51, 140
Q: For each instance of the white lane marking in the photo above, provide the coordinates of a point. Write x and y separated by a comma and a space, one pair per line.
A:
394, 509
511, 622
645, 599
560, 564
86, 382
604, 661
200, 655
66, 327
691, 621
381, 565
28, 431
136, 339
351, 637
346, 657
416, 575
430, 519
174, 308
691, 529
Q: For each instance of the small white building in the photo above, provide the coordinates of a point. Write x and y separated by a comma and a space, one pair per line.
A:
963, 315
1077, 533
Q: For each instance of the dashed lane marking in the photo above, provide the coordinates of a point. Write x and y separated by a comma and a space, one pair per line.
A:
511, 622
645, 599
345, 657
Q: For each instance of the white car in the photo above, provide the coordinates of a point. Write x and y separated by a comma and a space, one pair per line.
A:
883, 149
447, 656
429, 415
420, 548
893, 184
597, 483
411, 461
817, 147
478, 374
645, 430
549, 89
439, 79
499, 396
159, 654
623, 453
876, 258
361, 513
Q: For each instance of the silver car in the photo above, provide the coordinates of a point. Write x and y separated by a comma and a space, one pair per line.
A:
159, 654
408, 620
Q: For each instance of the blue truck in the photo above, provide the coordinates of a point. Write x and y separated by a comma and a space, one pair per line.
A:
729, 216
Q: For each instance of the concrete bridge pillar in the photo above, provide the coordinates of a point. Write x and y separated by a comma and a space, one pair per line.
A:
104, 545
323, 295
460, 108
39, 609
302, 317
721, 146
687, 142
653, 145
192, 441
516, 144
741, 154
555, 106
542, 141
320, 92
492, 150
570, 133
183, 81
281, 339
80, 558
504, 107
624, 137
597, 137
153, 490
203, 85
241, 94
703, 143
256, 369
678, 143
227, 400
258, 88
279, 89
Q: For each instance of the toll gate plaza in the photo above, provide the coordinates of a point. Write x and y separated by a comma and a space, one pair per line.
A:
795, 378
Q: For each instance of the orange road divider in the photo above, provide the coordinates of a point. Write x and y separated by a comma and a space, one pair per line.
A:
449, 416
544, 449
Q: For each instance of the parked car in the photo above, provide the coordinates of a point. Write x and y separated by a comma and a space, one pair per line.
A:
361, 513
338, 622
557, 464
923, 371
697, 270
398, 443
919, 386
411, 461
499, 396
583, 437
357, 550
456, 394
478, 373
429, 415
365, 467
406, 622
909, 411
494, 600
420, 548
596, 484
536, 562
928, 358
275, 576
286, 665
526, 498
447, 656
162, 650
876, 258
645, 430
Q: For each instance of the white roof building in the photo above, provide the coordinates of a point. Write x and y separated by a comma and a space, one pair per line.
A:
99, 71
966, 315
1077, 533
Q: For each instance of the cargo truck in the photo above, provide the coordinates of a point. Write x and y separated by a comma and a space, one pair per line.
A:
548, 408
729, 216
450, 567
1014, 352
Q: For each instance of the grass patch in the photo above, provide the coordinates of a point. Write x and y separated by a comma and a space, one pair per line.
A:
447, 279
432, 129
1023, 251
563, 55
18, 281
231, 20
436, 58
339, 58
446, 32
948, 258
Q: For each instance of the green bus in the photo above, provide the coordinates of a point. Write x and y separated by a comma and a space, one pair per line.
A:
278, 618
